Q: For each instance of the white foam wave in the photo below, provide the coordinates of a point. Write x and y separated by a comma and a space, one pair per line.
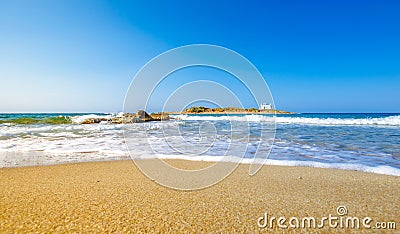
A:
81, 118
388, 121
380, 169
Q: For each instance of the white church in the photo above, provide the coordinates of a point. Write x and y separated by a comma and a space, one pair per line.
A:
265, 106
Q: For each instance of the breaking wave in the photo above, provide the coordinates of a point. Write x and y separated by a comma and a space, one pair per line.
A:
388, 121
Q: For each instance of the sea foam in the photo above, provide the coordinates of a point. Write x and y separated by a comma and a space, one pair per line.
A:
381, 169
388, 121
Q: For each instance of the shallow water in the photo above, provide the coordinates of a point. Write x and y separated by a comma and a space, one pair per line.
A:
366, 142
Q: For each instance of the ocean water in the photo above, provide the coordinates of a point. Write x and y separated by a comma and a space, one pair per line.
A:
364, 142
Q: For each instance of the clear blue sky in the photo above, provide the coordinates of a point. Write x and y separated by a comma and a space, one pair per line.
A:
316, 56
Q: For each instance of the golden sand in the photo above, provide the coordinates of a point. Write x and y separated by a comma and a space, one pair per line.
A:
116, 197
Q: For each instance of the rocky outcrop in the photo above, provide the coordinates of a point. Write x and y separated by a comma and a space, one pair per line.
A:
160, 116
94, 120
231, 110
140, 117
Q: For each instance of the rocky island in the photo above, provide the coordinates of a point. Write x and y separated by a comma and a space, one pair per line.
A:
229, 110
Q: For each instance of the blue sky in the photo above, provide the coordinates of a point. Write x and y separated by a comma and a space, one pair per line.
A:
316, 56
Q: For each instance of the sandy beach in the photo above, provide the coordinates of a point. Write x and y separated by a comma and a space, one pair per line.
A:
115, 197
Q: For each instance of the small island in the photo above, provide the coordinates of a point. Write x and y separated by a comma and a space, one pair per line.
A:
230, 110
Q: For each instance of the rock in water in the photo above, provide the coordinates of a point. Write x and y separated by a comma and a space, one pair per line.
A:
139, 117
94, 120
141, 114
160, 116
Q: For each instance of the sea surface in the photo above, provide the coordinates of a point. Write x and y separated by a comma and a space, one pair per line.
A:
364, 142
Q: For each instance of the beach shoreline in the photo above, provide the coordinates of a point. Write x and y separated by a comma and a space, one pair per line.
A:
114, 196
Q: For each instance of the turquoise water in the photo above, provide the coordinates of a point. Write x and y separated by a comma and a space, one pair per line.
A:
39, 118
365, 142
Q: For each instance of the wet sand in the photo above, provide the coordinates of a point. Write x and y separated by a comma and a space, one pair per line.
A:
116, 197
